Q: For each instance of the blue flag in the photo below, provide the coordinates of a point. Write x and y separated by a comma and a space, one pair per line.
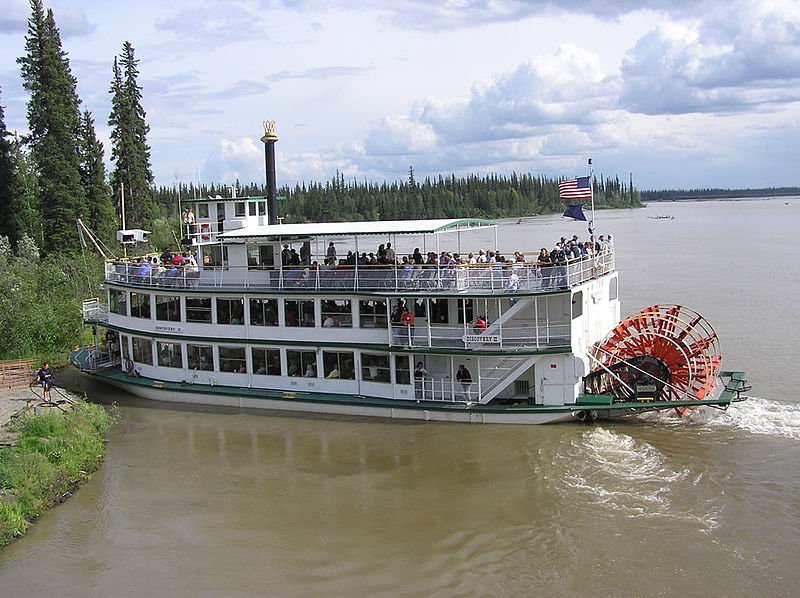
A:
575, 211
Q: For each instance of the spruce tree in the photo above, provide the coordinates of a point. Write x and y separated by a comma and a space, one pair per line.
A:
9, 185
101, 214
53, 119
129, 150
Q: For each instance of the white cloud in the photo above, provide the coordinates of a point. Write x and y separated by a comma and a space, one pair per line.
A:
368, 88
718, 64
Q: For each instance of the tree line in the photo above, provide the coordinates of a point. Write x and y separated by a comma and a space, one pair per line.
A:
715, 193
342, 200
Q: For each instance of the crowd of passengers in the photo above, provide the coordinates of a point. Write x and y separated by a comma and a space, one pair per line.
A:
564, 251
168, 268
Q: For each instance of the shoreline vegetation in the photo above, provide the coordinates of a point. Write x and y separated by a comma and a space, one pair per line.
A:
716, 194
52, 451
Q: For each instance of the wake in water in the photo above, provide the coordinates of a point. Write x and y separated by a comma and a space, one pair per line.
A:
755, 415
631, 477
762, 416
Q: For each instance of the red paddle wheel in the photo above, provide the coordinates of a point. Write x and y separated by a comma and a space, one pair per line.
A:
664, 353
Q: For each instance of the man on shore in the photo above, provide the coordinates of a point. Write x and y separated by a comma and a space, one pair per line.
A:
45, 378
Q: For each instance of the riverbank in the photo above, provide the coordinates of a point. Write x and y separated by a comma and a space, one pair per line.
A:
46, 452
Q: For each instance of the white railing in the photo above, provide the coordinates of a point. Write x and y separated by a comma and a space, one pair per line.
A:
477, 278
544, 335
94, 311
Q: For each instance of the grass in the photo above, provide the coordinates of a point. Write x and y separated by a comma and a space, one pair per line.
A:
55, 452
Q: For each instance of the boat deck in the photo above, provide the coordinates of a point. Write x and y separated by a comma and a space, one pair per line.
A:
478, 279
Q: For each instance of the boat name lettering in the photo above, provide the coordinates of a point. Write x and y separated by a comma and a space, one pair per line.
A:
482, 338
161, 328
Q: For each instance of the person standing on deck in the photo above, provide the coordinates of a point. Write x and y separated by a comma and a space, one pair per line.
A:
188, 221
407, 320
465, 378
420, 373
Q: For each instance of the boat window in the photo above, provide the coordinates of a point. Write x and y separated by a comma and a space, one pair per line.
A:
200, 357
230, 311
251, 207
232, 359
299, 313
336, 313
612, 289
118, 302
301, 363
420, 310
142, 350
198, 309
260, 257
263, 312
168, 307
170, 355
439, 311
266, 361
465, 306
239, 209
402, 371
123, 343
262, 208
577, 304
215, 256
202, 210
375, 368
372, 314
140, 305
338, 364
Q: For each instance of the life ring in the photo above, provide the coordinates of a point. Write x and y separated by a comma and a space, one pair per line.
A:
205, 232
129, 366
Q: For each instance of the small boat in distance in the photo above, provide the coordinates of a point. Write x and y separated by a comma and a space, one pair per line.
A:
312, 318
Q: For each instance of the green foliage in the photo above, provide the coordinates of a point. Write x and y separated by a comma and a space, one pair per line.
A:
491, 196
9, 184
716, 193
129, 149
101, 215
53, 119
39, 303
55, 451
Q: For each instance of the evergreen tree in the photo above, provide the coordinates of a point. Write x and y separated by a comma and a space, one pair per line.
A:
53, 119
102, 219
9, 186
28, 220
129, 149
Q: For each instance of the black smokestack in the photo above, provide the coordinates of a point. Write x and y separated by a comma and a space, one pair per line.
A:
269, 140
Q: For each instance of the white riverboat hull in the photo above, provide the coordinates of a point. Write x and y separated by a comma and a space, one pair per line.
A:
422, 411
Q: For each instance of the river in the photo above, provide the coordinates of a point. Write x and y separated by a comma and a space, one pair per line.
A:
209, 502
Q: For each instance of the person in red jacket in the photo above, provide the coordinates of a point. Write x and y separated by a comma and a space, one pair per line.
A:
407, 320
479, 325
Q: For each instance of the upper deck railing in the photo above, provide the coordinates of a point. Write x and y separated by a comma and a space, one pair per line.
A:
488, 279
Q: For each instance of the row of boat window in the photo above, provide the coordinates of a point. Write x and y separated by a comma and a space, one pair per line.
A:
264, 311
269, 361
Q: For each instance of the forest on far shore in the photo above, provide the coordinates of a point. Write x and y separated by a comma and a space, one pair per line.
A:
687, 194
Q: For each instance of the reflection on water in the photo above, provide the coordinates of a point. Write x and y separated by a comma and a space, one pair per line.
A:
209, 502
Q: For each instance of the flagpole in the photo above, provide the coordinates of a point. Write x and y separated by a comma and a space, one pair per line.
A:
591, 188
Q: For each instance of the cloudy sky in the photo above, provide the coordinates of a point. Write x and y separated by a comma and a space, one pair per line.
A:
679, 93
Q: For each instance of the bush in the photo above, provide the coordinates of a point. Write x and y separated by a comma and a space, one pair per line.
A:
55, 452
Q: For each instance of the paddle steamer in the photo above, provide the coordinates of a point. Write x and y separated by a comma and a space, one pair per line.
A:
242, 325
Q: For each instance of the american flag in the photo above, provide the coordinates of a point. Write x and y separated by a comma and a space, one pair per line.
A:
575, 189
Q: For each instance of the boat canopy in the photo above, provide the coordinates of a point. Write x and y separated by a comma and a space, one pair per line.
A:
350, 229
